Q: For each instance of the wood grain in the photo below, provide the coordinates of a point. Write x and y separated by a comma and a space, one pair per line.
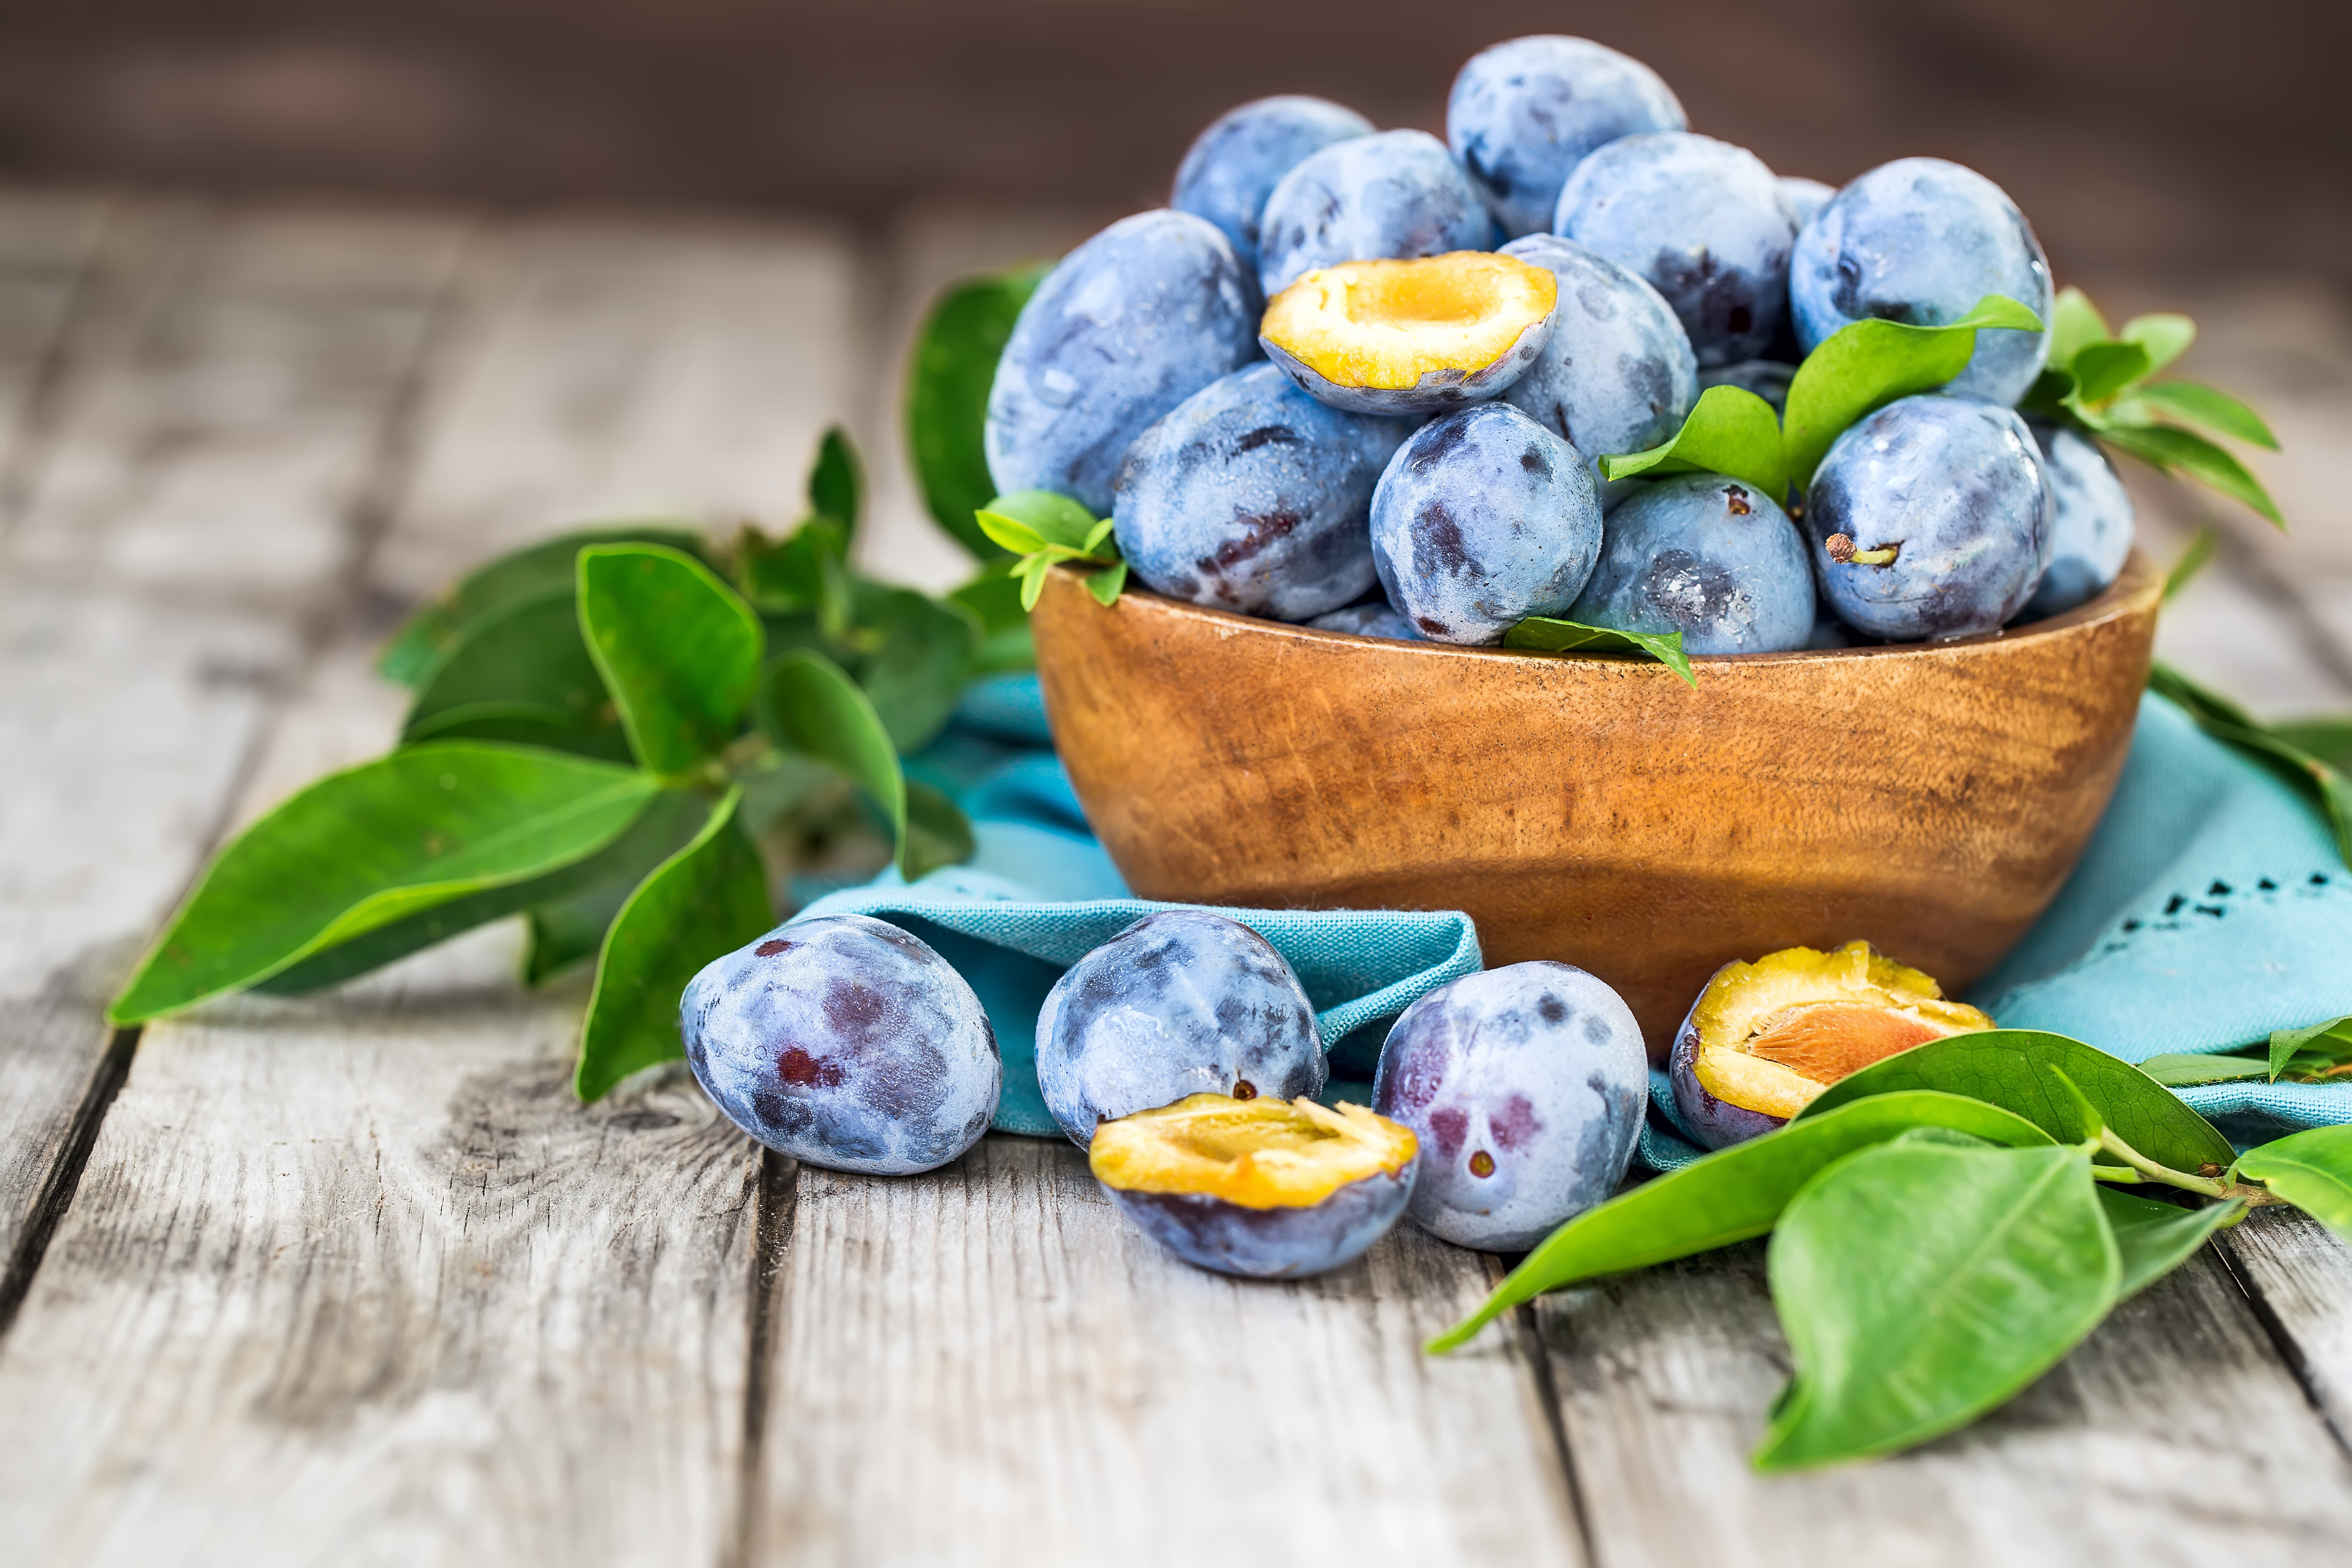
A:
986, 1364
2300, 1278
1930, 798
2173, 1435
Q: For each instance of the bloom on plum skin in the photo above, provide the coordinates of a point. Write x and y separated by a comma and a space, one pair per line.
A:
1233, 165
1706, 556
1525, 112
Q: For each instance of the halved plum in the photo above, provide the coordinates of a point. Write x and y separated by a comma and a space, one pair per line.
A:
1765, 1038
1263, 1188
1411, 337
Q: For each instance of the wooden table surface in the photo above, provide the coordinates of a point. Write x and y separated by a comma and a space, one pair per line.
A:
354, 1280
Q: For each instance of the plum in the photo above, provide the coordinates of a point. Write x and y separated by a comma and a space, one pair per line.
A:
1524, 113
1763, 1039
1803, 198
1922, 240
1233, 165
1706, 556
1617, 373
1767, 378
1252, 496
1132, 324
1483, 518
1394, 195
845, 1042
1931, 518
1262, 1188
1526, 1086
1702, 221
1375, 619
2091, 520
1183, 1001
1410, 337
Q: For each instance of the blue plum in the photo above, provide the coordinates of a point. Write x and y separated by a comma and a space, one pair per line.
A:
1922, 240
1700, 219
845, 1042
1526, 1086
1767, 378
1132, 324
1706, 556
1931, 518
1483, 518
1393, 194
1524, 113
2090, 523
1803, 198
1233, 165
1180, 1003
1252, 496
1375, 619
1617, 374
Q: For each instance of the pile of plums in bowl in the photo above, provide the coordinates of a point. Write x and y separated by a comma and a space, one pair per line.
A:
1363, 379
1184, 1055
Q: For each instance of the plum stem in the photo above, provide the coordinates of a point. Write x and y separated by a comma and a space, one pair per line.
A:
2253, 1196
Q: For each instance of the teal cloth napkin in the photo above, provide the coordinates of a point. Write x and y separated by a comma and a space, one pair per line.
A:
2208, 909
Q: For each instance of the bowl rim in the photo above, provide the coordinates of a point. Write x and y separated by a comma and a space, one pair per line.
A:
2137, 589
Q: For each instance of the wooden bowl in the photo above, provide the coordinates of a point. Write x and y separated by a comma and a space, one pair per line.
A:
1930, 798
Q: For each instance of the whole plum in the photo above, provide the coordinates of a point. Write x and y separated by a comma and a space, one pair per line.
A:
1376, 619
1233, 165
1931, 518
1803, 198
845, 1042
1706, 556
1700, 219
1252, 496
1393, 194
1526, 1086
1617, 374
1132, 324
2091, 520
1181, 1003
1921, 240
1483, 518
1525, 112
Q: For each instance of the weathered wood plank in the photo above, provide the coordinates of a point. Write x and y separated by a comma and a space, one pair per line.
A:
2173, 1435
2300, 1279
360, 1275
987, 1364
215, 421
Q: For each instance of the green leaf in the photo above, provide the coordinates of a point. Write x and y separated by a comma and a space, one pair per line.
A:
2200, 701
922, 664
2166, 449
835, 486
2074, 324
2102, 370
808, 572
2329, 740
808, 705
946, 396
1548, 634
1049, 518
666, 822
437, 626
2156, 1238
1732, 1195
1106, 585
2164, 335
2176, 1069
678, 649
2201, 404
2088, 1122
938, 832
2286, 1042
1731, 431
2311, 1169
707, 900
2191, 561
1868, 365
1005, 643
375, 843
1032, 578
1010, 531
2011, 1068
521, 672
1921, 1286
